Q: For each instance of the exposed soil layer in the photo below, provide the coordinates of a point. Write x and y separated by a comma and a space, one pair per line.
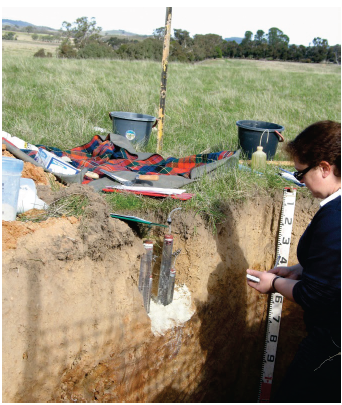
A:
74, 325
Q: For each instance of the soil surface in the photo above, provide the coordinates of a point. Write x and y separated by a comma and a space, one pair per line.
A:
75, 328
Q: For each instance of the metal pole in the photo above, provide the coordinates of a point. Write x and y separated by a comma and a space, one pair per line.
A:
166, 48
165, 269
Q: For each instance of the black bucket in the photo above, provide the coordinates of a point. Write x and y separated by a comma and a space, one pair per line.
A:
250, 133
135, 127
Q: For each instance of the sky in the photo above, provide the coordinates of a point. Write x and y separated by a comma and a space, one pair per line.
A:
301, 23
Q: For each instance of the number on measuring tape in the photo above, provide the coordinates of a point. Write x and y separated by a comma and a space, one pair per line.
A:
276, 300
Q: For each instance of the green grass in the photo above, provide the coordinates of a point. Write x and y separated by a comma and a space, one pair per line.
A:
59, 102
72, 205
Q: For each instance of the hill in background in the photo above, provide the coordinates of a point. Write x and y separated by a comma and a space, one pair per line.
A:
123, 33
238, 40
23, 24
17, 23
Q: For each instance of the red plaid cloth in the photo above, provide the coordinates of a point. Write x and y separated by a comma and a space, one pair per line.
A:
97, 154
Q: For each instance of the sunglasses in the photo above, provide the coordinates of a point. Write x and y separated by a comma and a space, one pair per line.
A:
301, 173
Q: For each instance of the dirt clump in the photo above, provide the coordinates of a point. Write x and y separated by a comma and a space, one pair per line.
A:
12, 231
30, 171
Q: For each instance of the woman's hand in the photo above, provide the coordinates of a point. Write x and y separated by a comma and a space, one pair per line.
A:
265, 284
283, 285
292, 272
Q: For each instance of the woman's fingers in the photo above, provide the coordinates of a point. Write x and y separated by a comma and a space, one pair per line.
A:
264, 285
255, 273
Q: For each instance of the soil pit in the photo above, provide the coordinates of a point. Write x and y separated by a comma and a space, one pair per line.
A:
74, 325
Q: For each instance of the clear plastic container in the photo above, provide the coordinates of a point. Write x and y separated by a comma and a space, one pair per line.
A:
11, 173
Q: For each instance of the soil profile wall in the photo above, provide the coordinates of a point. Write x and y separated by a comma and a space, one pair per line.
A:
74, 325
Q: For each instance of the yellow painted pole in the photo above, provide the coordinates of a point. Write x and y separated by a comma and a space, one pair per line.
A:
166, 49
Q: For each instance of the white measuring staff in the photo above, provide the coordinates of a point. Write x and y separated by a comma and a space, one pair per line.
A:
276, 300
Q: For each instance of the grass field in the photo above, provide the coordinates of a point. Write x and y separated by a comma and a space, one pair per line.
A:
58, 103
25, 46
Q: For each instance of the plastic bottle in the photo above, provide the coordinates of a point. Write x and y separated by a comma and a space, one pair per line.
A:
259, 159
19, 143
27, 198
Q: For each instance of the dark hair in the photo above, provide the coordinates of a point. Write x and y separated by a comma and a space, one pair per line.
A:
318, 142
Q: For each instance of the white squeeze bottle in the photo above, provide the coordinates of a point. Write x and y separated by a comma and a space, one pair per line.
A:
19, 143
259, 159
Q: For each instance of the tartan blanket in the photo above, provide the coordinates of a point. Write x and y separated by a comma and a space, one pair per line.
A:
98, 154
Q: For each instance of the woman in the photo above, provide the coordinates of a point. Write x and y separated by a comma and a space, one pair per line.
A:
315, 282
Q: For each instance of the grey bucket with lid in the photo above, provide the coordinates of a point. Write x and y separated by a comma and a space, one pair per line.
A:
251, 132
135, 127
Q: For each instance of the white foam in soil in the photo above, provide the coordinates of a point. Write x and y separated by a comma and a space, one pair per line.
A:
178, 312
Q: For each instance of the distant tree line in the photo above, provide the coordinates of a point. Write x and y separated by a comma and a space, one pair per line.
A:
271, 46
275, 46
83, 39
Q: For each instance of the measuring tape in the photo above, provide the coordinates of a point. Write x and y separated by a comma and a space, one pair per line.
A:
276, 301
